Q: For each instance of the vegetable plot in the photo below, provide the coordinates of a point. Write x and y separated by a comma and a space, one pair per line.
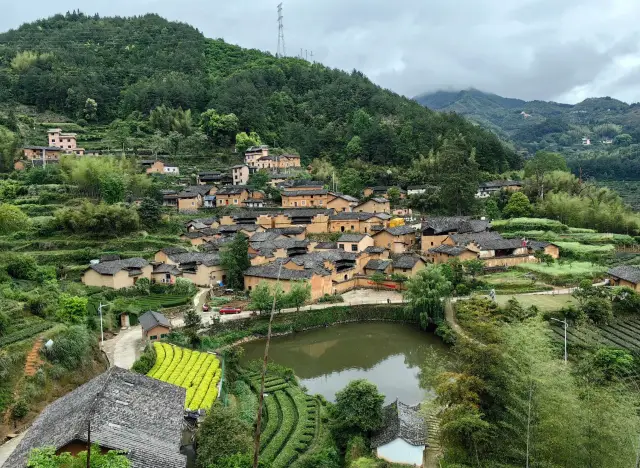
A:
198, 372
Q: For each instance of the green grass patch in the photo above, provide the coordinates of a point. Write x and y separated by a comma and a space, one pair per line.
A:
544, 302
529, 224
563, 274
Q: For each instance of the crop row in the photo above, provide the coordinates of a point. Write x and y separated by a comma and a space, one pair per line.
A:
304, 431
287, 426
199, 373
25, 333
274, 419
624, 334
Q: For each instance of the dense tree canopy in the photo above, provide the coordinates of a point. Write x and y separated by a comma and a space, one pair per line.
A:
125, 65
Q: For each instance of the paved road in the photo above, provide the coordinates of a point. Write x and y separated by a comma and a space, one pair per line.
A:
7, 448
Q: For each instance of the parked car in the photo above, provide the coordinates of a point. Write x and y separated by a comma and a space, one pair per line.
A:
205, 307
230, 310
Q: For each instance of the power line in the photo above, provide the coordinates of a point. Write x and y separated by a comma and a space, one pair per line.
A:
282, 51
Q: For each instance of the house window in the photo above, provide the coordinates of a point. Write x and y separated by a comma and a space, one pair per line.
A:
235, 201
354, 247
341, 228
164, 335
320, 203
352, 228
303, 202
341, 246
346, 277
193, 203
153, 337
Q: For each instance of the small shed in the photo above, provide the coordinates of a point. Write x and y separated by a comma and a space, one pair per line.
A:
155, 326
403, 436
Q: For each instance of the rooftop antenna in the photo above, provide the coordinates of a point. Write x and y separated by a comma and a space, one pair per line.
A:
282, 51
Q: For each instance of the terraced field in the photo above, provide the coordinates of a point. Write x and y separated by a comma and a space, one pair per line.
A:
623, 333
198, 372
290, 424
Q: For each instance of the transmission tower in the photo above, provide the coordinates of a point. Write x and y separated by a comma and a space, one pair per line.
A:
282, 51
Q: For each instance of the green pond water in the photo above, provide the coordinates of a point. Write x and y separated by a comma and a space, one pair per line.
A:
391, 355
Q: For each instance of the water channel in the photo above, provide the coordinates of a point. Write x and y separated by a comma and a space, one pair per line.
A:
390, 355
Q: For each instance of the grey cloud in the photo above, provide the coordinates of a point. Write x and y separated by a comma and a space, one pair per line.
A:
533, 49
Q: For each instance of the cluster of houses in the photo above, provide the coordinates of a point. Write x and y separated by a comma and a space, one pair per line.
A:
59, 143
280, 243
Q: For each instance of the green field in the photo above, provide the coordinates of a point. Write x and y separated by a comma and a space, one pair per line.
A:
563, 274
544, 302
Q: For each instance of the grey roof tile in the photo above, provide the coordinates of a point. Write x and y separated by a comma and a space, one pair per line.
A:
627, 273
128, 411
379, 265
352, 237
151, 319
401, 421
113, 267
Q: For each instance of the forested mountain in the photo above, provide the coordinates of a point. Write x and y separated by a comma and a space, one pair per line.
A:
611, 126
129, 66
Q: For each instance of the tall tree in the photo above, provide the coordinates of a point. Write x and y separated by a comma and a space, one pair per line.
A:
457, 176
235, 260
540, 165
426, 293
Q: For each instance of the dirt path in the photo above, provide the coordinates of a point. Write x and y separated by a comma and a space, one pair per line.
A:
123, 349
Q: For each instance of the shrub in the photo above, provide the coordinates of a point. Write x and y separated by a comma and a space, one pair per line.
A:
72, 309
331, 299
19, 410
22, 267
71, 347
146, 362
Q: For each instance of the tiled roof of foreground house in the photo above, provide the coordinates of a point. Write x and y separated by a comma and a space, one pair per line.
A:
454, 250
400, 230
201, 258
379, 265
627, 273
127, 411
351, 237
401, 421
270, 270
301, 193
113, 267
152, 319
461, 224
358, 215
406, 262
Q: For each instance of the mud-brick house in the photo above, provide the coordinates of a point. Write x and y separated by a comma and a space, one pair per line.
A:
340, 202
201, 268
192, 198
319, 280
626, 276
398, 239
355, 242
117, 274
364, 223
407, 265
374, 205
443, 253
378, 266
126, 411
305, 194
436, 229
155, 326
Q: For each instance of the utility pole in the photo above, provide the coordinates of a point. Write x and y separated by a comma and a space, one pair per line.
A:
101, 329
89, 443
306, 55
565, 336
312, 56
256, 448
282, 51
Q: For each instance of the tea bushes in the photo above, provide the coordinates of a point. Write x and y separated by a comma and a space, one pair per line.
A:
199, 373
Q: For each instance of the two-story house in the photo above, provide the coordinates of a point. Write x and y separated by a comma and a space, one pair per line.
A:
304, 194
65, 141
240, 174
254, 153
373, 205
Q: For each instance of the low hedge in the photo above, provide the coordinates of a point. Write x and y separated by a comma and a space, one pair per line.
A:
287, 426
273, 421
300, 438
529, 224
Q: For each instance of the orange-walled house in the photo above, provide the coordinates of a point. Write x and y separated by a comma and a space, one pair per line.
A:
158, 167
364, 223
341, 202
397, 239
252, 154
117, 274
374, 205
355, 242
268, 273
155, 326
625, 276
407, 265
65, 141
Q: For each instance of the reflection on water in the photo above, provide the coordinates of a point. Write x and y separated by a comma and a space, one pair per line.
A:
388, 354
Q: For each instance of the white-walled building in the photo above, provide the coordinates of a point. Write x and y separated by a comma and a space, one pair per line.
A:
403, 436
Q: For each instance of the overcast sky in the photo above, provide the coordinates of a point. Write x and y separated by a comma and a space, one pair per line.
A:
563, 50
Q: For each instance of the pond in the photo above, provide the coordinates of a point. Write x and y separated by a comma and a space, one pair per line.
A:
391, 355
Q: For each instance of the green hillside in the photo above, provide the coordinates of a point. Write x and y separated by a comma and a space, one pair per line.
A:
612, 127
129, 66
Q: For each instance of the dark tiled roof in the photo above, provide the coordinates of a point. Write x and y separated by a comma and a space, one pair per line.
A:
270, 270
238, 227
443, 224
151, 319
401, 421
109, 258
201, 258
292, 213
193, 235
111, 268
166, 268
401, 230
479, 238
374, 249
300, 193
232, 190
537, 245
502, 244
406, 261
46, 148
352, 216
305, 183
352, 237
348, 198
327, 245
474, 225
317, 258
379, 265
453, 250
196, 225
128, 411
173, 250
267, 236
627, 273
378, 200
193, 190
